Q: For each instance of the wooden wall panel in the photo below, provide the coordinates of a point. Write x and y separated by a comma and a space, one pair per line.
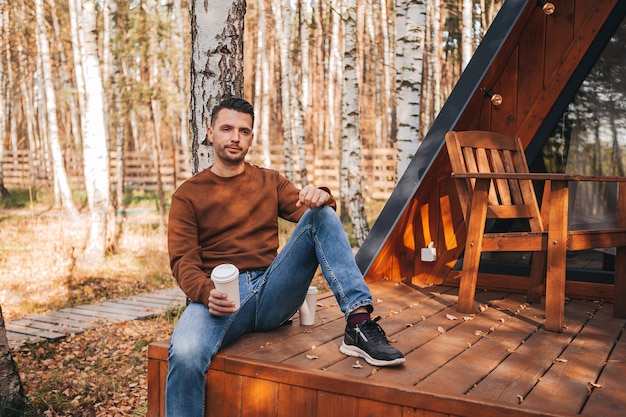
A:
559, 37
296, 401
329, 404
531, 61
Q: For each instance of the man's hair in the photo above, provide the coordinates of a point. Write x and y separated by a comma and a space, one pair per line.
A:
233, 103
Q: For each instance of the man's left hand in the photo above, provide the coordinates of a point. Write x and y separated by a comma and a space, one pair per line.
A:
312, 197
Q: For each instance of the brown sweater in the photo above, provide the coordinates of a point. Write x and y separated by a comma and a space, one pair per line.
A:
215, 220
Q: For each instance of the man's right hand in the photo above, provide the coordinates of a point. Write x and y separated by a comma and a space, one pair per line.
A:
219, 304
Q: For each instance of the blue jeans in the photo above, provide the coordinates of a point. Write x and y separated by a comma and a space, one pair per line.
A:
268, 299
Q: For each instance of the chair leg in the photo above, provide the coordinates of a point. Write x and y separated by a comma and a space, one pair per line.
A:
537, 275
473, 247
619, 296
469, 276
556, 257
619, 299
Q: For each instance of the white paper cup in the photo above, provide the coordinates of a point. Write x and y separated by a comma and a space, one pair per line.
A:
226, 279
307, 311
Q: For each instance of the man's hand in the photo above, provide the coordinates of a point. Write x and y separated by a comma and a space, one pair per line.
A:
312, 197
219, 305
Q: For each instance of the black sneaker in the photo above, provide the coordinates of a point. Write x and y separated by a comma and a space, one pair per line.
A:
368, 341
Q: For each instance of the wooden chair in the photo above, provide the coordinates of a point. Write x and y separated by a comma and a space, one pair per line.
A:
493, 182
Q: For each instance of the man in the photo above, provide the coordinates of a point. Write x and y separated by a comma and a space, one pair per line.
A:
229, 213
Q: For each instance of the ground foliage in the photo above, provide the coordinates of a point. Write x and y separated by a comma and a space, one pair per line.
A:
101, 372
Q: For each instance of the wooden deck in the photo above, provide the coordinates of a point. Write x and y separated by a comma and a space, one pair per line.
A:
497, 362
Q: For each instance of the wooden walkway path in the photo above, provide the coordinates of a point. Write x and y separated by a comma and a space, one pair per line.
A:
55, 325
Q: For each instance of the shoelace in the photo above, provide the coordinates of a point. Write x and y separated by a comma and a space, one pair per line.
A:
373, 330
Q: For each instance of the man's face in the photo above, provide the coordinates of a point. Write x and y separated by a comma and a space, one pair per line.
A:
231, 136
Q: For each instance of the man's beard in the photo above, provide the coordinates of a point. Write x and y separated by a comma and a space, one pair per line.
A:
230, 159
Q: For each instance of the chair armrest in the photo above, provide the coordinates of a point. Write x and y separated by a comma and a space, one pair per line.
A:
537, 176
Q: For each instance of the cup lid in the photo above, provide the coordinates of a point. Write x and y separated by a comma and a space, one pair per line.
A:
312, 290
224, 272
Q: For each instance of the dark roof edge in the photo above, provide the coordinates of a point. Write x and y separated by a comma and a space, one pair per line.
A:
430, 147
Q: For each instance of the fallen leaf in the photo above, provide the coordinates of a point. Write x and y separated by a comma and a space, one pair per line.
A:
467, 318
311, 357
561, 360
450, 317
441, 330
357, 364
519, 399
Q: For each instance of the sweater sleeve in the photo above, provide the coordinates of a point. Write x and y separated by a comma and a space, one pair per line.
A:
185, 251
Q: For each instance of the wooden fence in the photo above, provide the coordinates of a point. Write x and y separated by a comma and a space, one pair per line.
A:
25, 168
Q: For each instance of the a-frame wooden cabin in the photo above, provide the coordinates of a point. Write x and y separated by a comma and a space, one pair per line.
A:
537, 63
497, 362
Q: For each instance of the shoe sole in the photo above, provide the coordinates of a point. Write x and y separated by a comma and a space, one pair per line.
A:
351, 350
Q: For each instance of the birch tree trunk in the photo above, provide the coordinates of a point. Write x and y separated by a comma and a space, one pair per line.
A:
283, 33
466, 33
60, 175
11, 391
155, 104
297, 93
216, 67
411, 25
261, 87
335, 76
95, 149
181, 76
351, 134
4, 94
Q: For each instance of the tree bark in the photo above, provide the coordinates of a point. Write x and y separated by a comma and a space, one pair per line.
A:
60, 175
216, 67
95, 149
12, 400
411, 24
351, 132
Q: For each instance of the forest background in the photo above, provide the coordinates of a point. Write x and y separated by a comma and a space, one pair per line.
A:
75, 71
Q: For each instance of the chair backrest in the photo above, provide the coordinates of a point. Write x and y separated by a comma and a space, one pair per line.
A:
488, 152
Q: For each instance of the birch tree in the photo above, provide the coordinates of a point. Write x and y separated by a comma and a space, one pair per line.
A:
4, 90
60, 176
351, 132
282, 14
95, 149
216, 66
262, 87
467, 48
11, 390
181, 72
410, 27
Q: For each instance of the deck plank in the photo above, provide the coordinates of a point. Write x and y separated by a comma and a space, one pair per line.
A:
515, 377
608, 398
566, 383
483, 356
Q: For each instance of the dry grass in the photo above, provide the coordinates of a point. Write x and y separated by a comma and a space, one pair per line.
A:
37, 257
